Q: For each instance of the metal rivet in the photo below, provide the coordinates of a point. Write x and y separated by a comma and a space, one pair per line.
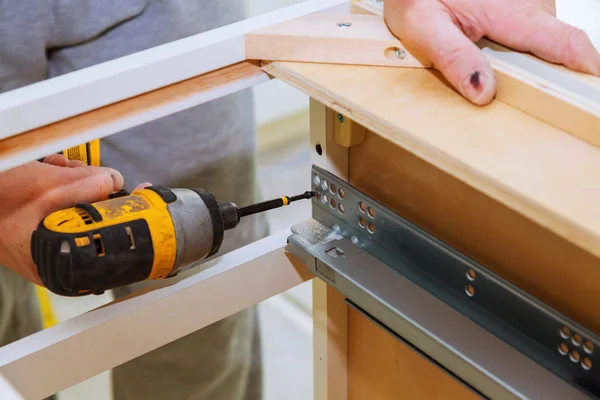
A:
341, 208
401, 54
574, 356
565, 332
354, 240
586, 364
588, 346
341, 193
344, 24
563, 349
471, 275
341, 118
577, 340
470, 290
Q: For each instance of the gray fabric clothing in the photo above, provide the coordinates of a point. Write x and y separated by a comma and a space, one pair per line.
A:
211, 146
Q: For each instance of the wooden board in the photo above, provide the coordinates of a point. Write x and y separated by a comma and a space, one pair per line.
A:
523, 164
344, 38
40, 142
380, 367
330, 312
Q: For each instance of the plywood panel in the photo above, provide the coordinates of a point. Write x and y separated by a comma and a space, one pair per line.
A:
535, 259
380, 367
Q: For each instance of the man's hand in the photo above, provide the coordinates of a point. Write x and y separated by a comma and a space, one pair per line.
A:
445, 32
34, 190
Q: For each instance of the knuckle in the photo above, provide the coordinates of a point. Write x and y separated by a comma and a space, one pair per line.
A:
449, 56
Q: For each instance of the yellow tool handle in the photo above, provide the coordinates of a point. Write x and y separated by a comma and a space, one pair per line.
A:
88, 153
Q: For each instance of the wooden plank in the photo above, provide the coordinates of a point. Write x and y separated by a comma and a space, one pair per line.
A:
517, 160
129, 113
567, 100
540, 262
59, 357
330, 312
90, 88
358, 39
380, 367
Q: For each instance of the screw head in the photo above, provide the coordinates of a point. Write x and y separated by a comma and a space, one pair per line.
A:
401, 54
341, 118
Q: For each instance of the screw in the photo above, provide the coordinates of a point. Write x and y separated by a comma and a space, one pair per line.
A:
344, 24
401, 54
341, 118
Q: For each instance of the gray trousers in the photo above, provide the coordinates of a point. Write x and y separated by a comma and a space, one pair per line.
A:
210, 147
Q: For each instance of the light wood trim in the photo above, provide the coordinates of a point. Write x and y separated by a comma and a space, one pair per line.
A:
380, 367
521, 162
128, 113
330, 312
363, 40
68, 353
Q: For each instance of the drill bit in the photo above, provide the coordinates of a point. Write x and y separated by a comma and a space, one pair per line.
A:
275, 203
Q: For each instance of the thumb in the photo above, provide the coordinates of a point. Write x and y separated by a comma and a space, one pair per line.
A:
83, 185
433, 32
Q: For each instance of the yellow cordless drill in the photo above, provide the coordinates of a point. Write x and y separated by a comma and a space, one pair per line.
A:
151, 233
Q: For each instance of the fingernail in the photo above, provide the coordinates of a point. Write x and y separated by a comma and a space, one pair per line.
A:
479, 87
117, 178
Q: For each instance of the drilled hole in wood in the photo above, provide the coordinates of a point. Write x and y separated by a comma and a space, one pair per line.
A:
341, 193
588, 346
319, 149
577, 340
586, 364
470, 290
371, 213
565, 332
362, 206
575, 356
371, 228
362, 222
341, 208
471, 275
563, 349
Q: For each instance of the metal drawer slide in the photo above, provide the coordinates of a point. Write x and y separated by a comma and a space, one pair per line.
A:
490, 334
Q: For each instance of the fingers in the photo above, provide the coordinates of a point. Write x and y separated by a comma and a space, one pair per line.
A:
57, 160
433, 32
82, 185
548, 38
142, 186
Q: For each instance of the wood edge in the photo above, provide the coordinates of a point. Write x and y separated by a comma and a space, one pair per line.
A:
560, 225
330, 312
84, 125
